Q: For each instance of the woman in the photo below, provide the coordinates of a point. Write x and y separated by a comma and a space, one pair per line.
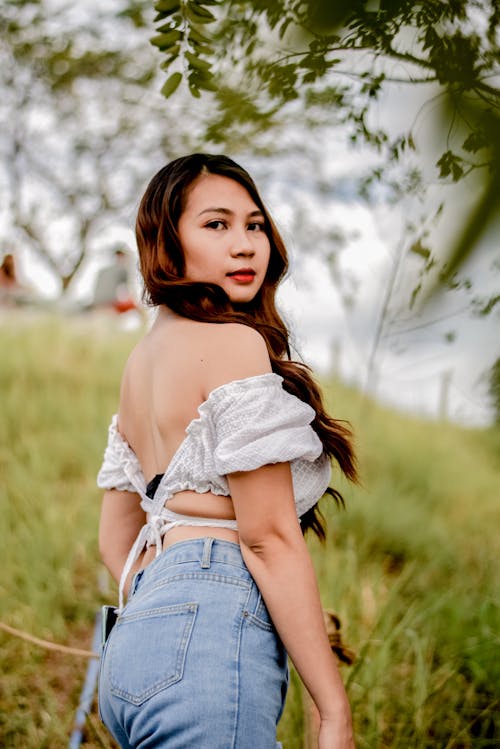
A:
220, 445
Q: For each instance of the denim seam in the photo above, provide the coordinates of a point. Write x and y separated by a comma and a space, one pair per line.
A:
192, 560
189, 607
206, 576
245, 614
104, 648
261, 621
252, 619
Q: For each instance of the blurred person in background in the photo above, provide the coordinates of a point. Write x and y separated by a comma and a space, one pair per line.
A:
112, 289
13, 293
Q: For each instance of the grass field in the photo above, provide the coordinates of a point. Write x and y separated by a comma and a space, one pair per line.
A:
410, 566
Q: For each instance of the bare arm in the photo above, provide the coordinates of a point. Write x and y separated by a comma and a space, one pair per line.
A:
276, 555
274, 549
122, 517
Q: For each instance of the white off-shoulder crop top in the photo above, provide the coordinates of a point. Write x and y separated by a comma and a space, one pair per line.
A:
242, 425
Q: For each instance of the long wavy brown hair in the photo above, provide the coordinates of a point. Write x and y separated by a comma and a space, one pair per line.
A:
162, 267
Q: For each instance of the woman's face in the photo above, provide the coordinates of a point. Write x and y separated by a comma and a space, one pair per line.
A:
223, 236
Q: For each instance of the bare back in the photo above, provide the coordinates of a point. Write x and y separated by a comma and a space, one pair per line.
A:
161, 390
168, 375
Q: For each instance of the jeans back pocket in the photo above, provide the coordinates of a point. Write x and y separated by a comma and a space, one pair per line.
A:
147, 651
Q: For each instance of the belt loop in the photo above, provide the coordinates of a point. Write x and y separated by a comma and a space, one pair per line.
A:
207, 550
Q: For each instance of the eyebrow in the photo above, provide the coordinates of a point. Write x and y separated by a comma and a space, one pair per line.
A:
228, 212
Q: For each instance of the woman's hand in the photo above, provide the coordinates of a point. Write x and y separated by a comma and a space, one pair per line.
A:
336, 733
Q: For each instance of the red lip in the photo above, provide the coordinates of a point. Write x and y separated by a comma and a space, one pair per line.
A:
243, 275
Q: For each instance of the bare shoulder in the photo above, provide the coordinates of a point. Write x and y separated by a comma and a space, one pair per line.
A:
237, 334
133, 360
237, 340
194, 356
233, 352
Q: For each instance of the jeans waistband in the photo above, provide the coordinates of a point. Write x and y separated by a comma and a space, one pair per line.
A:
203, 551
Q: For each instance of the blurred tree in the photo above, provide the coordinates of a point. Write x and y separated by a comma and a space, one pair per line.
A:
494, 390
339, 59
81, 126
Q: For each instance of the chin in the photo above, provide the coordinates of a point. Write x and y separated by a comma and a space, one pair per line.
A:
243, 298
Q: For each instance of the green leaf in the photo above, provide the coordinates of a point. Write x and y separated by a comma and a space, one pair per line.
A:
202, 79
284, 25
450, 164
474, 142
208, 84
197, 63
198, 14
202, 49
173, 23
416, 291
309, 77
165, 6
173, 55
419, 249
251, 47
171, 84
487, 306
163, 41
199, 48
198, 37
195, 91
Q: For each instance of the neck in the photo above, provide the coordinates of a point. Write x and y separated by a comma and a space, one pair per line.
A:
165, 313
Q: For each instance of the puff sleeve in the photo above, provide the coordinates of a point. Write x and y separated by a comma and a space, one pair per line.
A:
255, 422
120, 468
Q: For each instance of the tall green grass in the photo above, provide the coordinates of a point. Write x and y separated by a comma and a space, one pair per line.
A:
410, 566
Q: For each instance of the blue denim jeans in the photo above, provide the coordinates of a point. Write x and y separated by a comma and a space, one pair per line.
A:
194, 661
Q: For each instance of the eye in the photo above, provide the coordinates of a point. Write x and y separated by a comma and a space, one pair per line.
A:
256, 226
216, 224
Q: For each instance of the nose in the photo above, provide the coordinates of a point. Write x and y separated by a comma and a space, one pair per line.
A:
243, 251
242, 245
